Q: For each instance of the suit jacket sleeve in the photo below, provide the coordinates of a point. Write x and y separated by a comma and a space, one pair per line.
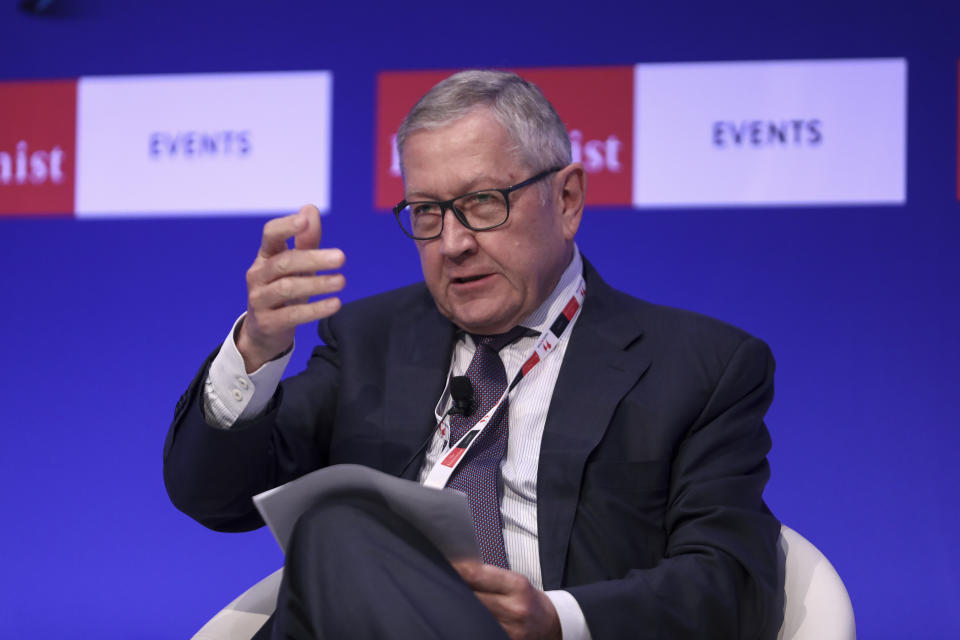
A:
350, 405
212, 473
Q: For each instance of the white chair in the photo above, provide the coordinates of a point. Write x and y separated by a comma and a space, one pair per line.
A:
243, 617
816, 605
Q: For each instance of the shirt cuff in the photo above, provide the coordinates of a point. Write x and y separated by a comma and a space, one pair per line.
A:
573, 626
230, 393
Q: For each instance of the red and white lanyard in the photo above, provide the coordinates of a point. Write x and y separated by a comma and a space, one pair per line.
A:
443, 469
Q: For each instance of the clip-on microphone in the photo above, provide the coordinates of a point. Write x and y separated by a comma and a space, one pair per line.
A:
461, 391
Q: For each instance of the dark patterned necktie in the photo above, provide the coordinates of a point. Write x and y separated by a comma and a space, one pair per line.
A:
478, 474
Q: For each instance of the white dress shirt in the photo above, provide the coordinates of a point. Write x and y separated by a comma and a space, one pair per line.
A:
232, 395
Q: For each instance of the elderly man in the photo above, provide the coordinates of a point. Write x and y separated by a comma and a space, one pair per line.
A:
613, 451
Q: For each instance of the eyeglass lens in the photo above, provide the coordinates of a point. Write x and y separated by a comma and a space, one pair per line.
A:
481, 210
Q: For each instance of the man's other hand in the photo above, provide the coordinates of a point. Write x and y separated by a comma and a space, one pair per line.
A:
523, 611
281, 282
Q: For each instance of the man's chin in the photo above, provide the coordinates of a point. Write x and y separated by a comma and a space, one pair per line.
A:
483, 319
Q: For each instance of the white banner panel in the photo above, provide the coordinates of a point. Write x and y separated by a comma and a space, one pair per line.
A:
239, 143
770, 133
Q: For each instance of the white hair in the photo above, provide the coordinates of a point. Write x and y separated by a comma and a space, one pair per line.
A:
539, 136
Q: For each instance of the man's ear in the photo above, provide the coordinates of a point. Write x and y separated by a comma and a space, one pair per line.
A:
571, 193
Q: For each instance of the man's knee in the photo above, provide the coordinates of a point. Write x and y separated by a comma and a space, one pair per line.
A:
340, 519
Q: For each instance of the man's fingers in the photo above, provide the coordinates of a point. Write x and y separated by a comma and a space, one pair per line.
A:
492, 601
293, 289
277, 231
504, 608
297, 261
309, 236
294, 262
277, 321
467, 569
312, 311
489, 578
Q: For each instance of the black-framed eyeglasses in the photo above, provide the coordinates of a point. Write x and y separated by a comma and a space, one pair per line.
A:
478, 210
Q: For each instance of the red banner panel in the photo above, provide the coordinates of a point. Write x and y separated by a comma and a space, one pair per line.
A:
37, 147
595, 103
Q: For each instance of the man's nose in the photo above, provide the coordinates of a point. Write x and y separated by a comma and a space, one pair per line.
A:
456, 239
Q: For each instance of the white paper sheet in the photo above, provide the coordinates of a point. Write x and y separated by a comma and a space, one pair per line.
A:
442, 515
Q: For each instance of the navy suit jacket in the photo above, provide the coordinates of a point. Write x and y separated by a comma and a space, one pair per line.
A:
652, 463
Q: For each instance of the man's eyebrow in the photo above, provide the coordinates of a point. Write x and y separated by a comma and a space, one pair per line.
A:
418, 195
479, 183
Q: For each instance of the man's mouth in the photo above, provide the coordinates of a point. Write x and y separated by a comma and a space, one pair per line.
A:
469, 279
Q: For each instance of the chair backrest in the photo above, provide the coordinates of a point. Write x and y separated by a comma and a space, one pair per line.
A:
816, 605
243, 617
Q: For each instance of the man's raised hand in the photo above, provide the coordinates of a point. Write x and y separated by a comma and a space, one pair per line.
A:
280, 283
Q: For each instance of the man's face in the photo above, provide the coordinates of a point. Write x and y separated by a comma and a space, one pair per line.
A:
487, 282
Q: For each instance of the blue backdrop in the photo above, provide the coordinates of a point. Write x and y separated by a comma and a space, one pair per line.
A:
102, 323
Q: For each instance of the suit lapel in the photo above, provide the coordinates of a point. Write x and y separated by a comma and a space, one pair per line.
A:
417, 362
597, 372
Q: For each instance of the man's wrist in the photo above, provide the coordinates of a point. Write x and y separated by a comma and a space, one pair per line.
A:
253, 355
231, 393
